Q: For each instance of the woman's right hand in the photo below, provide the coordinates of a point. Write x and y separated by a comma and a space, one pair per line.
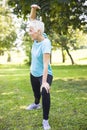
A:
46, 86
35, 6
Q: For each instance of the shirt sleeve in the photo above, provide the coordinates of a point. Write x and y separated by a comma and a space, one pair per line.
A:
46, 46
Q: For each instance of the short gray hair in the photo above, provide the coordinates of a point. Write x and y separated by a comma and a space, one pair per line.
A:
37, 25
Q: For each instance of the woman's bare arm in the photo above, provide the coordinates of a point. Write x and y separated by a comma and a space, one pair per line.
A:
46, 60
34, 8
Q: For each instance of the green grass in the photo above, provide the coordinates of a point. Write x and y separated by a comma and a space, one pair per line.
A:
68, 99
85, 58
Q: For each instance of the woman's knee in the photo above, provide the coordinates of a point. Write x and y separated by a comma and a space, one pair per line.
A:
44, 92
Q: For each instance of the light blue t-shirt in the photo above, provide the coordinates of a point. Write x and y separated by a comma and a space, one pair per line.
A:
38, 49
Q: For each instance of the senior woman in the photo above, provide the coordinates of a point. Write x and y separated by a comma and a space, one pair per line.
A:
40, 71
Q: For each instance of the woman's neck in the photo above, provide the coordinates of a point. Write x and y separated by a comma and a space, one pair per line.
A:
40, 38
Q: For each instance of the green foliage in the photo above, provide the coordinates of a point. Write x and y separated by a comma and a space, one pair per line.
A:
57, 15
23, 7
68, 99
65, 14
7, 33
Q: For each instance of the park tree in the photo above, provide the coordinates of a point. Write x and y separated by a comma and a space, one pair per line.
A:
65, 15
65, 43
7, 33
58, 16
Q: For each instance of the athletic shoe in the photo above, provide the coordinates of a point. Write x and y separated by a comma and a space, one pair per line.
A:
46, 125
33, 106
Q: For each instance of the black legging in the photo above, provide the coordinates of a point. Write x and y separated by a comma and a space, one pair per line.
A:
36, 84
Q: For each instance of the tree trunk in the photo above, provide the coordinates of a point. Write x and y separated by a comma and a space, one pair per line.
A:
63, 56
9, 57
72, 61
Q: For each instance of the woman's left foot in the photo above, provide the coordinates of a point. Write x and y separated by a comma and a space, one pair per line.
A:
46, 125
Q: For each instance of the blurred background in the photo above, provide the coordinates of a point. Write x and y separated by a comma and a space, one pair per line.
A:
66, 26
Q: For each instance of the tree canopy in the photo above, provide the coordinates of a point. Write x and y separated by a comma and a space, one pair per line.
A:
57, 15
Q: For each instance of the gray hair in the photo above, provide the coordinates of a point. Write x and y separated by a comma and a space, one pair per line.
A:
37, 25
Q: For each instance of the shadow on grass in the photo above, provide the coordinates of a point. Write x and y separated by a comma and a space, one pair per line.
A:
68, 107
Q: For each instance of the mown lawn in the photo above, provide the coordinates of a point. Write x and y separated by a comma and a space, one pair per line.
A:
68, 99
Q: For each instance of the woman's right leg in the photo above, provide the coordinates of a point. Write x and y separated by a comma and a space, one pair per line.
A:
36, 88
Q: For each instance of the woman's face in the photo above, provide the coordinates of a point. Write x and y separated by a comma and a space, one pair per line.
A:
33, 33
